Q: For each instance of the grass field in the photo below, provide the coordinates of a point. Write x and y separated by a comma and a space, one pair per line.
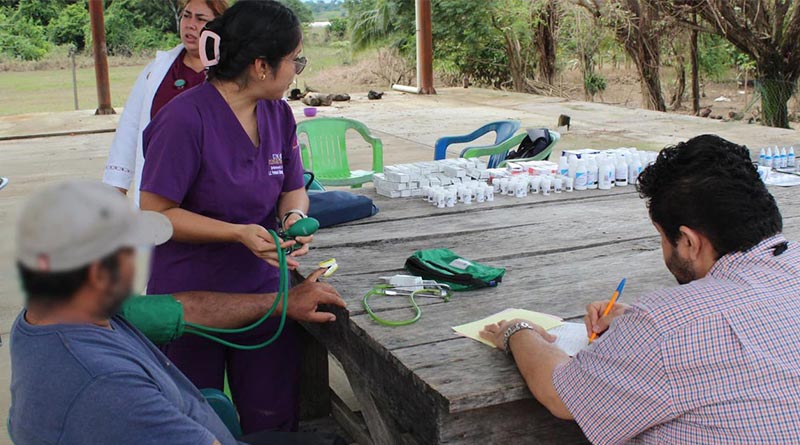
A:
37, 91
51, 90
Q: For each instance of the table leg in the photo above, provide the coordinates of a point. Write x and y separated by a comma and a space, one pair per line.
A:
382, 428
315, 393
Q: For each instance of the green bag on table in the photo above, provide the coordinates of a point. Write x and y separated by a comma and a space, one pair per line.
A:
444, 266
159, 317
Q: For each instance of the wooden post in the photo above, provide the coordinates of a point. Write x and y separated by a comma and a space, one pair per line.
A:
72, 51
424, 47
100, 57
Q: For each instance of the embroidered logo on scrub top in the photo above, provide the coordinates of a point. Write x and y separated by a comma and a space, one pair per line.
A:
276, 164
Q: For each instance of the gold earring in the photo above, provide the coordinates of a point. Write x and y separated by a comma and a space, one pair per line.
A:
263, 76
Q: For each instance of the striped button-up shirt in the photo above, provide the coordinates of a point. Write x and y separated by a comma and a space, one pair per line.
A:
715, 361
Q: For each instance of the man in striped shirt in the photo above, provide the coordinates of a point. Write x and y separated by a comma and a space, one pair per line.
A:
712, 361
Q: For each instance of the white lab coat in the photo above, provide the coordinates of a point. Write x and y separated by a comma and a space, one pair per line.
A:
125, 158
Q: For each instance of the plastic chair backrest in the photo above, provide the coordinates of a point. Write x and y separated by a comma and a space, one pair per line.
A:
500, 149
224, 408
504, 129
327, 145
543, 156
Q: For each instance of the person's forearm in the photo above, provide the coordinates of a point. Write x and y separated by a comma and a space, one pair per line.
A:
190, 227
536, 360
296, 199
223, 310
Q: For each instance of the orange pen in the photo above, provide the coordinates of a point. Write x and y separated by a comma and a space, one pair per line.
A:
617, 294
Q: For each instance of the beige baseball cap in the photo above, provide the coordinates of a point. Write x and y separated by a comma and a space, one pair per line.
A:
70, 225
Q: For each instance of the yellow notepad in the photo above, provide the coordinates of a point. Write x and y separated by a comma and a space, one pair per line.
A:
472, 330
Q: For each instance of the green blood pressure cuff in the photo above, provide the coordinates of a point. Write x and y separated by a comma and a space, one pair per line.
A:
159, 317
446, 267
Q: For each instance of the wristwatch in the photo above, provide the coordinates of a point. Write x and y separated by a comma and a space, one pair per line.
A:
513, 329
286, 215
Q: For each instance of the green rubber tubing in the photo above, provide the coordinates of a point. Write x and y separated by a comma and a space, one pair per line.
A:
281, 297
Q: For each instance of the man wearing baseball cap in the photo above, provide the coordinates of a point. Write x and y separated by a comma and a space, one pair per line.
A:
83, 374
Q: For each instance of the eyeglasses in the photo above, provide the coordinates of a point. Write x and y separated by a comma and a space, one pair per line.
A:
300, 64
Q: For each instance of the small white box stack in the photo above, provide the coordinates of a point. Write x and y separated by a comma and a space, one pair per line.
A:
408, 180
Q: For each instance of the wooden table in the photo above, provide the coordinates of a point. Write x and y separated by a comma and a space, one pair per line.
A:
423, 384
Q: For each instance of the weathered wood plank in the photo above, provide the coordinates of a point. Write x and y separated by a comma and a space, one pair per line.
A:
474, 221
409, 208
524, 421
561, 284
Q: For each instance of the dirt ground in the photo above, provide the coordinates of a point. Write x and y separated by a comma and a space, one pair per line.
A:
623, 88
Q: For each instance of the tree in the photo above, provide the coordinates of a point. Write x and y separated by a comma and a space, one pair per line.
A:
638, 28
300, 9
39, 12
70, 26
545, 21
22, 38
768, 32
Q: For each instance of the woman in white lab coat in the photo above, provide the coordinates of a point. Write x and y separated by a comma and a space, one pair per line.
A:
171, 73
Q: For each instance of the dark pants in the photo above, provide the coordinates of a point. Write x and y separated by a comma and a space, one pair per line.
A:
268, 438
264, 383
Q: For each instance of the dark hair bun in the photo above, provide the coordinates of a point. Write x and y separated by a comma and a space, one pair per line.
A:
249, 30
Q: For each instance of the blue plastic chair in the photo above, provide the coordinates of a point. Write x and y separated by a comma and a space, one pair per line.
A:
224, 408
503, 129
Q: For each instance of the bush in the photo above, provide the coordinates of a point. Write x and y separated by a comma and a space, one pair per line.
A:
149, 37
70, 27
22, 38
594, 84
41, 12
338, 28
120, 28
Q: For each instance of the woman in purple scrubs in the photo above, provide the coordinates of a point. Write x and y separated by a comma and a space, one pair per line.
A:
223, 164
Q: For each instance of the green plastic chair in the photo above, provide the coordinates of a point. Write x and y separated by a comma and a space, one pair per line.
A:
543, 156
326, 153
224, 408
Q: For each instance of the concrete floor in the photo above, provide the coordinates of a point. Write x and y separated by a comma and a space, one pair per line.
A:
408, 125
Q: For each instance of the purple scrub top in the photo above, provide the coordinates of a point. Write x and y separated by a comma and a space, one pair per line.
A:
199, 156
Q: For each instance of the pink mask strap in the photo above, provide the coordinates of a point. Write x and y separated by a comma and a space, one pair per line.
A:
204, 36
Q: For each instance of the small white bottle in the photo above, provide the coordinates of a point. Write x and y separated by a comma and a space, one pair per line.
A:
546, 183
480, 193
489, 193
536, 184
604, 175
762, 158
592, 173
634, 168
563, 166
768, 158
558, 184
790, 159
621, 176
452, 197
581, 175
569, 184
573, 166
784, 160
521, 188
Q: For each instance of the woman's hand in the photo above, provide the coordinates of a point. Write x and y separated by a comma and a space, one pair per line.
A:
304, 241
260, 242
